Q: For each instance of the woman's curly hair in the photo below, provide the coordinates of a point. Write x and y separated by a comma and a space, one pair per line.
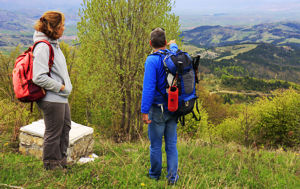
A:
50, 24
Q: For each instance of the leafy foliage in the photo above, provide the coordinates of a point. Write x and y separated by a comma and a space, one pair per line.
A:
214, 105
13, 113
272, 121
114, 42
250, 83
279, 120
195, 129
7, 63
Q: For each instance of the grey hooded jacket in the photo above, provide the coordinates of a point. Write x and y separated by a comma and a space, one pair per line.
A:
59, 72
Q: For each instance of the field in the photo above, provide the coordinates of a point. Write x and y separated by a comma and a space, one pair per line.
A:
235, 50
201, 165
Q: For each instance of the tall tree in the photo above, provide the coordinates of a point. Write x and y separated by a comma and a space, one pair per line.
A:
114, 43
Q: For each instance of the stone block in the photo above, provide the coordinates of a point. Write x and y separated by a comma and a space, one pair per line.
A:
80, 137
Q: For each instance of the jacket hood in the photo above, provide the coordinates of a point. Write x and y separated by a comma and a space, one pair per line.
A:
37, 36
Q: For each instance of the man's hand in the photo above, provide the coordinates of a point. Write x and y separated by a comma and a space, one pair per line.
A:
146, 118
171, 42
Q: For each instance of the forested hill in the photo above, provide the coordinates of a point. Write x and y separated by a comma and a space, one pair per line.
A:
265, 61
276, 33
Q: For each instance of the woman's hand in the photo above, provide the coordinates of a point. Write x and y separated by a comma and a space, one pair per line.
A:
62, 87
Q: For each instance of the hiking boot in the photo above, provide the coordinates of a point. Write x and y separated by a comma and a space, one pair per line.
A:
51, 165
151, 177
171, 182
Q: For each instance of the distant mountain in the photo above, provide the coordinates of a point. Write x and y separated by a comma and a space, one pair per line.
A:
16, 21
16, 27
264, 61
40, 5
275, 33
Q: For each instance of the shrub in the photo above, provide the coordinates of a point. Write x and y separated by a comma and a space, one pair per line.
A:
13, 116
273, 122
193, 128
279, 120
214, 105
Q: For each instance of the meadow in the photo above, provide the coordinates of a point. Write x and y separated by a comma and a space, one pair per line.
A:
125, 165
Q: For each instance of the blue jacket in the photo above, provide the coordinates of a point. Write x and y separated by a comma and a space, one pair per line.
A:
154, 77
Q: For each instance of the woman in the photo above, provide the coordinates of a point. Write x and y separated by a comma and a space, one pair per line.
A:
58, 86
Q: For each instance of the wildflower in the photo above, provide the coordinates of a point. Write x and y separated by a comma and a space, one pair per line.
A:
143, 184
6, 144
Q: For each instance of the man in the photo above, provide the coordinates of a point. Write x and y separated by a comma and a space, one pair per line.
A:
162, 123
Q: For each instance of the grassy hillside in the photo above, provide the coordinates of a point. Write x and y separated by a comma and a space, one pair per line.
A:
234, 50
126, 165
276, 33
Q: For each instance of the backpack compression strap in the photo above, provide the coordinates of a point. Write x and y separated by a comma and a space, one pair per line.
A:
194, 115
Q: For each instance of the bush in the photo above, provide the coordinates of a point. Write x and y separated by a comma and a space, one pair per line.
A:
193, 128
273, 122
13, 116
214, 105
279, 120
238, 128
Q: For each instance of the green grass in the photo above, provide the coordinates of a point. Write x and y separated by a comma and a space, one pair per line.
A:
216, 39
191, 49
269, 38
235, 50
125, 166
239, 36
291, 40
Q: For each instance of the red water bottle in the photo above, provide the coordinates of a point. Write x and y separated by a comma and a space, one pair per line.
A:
173, 99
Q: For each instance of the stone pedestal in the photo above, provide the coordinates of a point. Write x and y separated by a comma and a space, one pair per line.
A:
81, 140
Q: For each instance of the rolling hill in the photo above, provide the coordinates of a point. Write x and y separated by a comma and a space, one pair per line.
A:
16, 27
263, 61
283, 33
265, 51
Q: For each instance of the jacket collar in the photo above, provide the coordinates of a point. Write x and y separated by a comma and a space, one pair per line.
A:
37, 36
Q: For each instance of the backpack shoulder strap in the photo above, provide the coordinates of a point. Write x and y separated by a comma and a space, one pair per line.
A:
51, 57
159, 53
162, 54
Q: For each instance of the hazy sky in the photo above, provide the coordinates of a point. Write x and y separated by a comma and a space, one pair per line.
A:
199, 6
182, 6
227, 6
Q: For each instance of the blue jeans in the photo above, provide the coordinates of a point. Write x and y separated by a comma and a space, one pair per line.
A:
163, 124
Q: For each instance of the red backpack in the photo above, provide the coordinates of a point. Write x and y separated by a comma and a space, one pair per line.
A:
25, 90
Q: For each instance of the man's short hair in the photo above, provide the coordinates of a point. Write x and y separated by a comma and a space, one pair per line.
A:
158, 38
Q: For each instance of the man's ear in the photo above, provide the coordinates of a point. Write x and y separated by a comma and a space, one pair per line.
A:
150, 43
166, 42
